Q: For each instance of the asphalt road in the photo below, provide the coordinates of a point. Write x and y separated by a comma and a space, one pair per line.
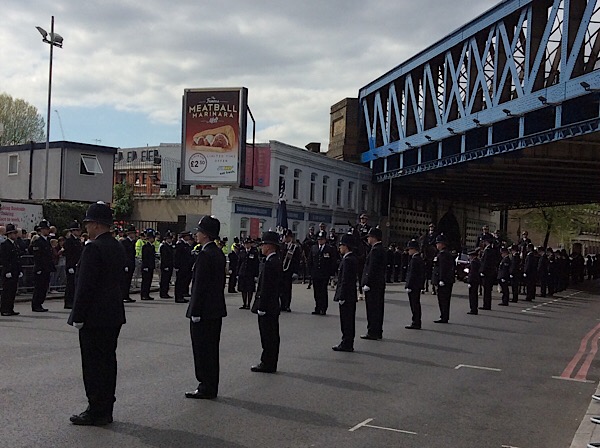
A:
408, 383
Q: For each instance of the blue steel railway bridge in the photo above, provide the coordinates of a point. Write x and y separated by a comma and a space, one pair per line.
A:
504, 112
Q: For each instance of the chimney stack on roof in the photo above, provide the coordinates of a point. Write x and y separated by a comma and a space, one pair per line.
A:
314, 147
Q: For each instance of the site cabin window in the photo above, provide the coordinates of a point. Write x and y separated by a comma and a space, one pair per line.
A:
13, 164
313, 186
89, 165
325, 185
296, 192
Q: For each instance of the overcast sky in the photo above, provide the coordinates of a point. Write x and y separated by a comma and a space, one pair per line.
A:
121, 74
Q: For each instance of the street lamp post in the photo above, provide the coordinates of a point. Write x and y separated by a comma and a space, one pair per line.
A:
54, 40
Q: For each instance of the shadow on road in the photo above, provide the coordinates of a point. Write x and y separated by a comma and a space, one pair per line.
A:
332, 382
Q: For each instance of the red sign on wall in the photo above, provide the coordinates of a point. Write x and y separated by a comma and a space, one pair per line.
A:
254, 228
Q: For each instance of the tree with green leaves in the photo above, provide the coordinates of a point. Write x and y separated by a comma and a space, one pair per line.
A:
20, 121
122, 201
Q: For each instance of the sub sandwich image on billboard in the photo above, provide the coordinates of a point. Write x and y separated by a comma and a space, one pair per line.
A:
214, 129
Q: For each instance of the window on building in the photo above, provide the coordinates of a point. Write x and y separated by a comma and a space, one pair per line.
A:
282, 173
296, 184
13, 164
313, 187
122, 177
90, 165
144, 156
118, 156
295, 225
350, 200
144, 179
137, 179
325, 192
364, 197
338, 193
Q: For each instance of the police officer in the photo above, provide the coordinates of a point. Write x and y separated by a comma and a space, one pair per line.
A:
542, 271
166, 251
73, 248
515, 272
128, 244
373, 285
363, 226
389, 267
504, 275
247, 272
10, 260
148, 265
443, 277
207, 309
530, 272
183, 262
42, 267
233, 256
290, 256
321, 265
488, 270
415, 281
98, 313
473, 281
266, 304
346, 293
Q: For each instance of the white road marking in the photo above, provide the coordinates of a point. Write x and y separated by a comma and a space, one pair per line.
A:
572, 379
365, 424
477, 367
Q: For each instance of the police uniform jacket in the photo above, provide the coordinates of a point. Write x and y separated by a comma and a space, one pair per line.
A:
10, 259
208, 295
183, 258
504, 269
322, 262
98, 298
73, 248
398, 258
269, 286
415, 274
543, 265
474, 278
531, 264
374, 271
443, 267
233, 262
42, 255
148, 256
129, 247
489, 262
347, 277
248, 264
166, 255
294, 250
515, 265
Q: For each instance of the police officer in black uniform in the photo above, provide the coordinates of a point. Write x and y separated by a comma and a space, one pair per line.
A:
346, 293
515, 272
473, 281
73, 248
128, 244
443, 277
207, 308
488, 270
166, 251
42, 267
373, 285
247, 272
322, 265
266, 304
98, 313
530, 272
148, 264
234, 257
504, 275
415, 281
10, 260
290, 256
183, 262
542, 273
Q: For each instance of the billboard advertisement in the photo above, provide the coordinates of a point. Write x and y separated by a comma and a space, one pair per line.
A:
22, 215
214, 135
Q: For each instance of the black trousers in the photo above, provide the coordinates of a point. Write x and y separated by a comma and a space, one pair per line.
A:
398, 274
232, 282
99, 363
320, 293
515, 283
505, 291
473, 297
206, 336
444, 294
551, 285
285, 295
374, 300
165, 279
389, 271
488, 286
414, 298
41, 282
543, 285
182, 283
70, 289
347, 323
268, 326
146, 282
9, 292
127, 281
530, 284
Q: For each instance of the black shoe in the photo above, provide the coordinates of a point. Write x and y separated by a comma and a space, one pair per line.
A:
40, 309
181, 301
503, 304
10, 313
413, 327
128, 300
474, 313
200, 395
167, 296
68, 307
514, 301
341, 348
260, 367
287, 310
316, 313
243, 307
148, 298
88, 419
484, 308
370, 337
440, 321
323, 313
187, 295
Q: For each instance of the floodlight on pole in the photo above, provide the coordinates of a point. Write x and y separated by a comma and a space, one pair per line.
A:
54, 40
